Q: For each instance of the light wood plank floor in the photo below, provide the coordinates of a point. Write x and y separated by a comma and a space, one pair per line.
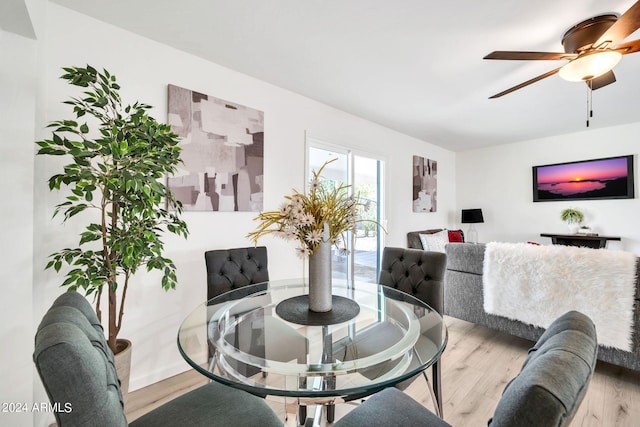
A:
476, 366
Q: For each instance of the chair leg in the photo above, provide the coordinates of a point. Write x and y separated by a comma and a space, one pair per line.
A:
212, 364
331, 412
437, 386
436, 390
302, 414
302, 409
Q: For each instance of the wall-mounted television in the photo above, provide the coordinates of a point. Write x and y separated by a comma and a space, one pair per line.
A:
608, 178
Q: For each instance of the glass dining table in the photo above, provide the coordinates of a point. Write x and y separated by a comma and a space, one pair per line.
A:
263, 339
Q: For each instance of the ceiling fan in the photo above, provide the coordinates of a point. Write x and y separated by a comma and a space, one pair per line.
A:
591, 47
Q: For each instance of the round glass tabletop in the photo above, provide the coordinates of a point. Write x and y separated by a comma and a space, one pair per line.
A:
240, 338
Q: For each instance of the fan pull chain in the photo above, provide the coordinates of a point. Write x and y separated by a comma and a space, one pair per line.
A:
589, 100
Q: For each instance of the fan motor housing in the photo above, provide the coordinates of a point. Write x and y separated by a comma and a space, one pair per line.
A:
581, 36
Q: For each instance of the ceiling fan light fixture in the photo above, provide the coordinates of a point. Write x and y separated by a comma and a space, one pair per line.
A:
590, 65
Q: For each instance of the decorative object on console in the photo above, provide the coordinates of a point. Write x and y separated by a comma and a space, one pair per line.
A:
471, 217
585, 230
222, 153
317, 221
608, 178
573, 218
425, 184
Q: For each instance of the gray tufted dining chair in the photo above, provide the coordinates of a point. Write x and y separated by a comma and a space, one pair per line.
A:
77, 370
418, 273
547, 391
229, 269
234, 268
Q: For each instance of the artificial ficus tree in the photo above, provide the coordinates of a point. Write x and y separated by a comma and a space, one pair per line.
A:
119, 158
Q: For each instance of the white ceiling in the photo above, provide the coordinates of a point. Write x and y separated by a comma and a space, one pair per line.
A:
412, 65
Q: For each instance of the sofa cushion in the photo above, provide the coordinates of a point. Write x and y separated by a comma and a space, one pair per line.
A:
413, 237
455, 236
435, 242
554, 377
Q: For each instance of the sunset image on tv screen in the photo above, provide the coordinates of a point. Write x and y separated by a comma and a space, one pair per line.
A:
606, 178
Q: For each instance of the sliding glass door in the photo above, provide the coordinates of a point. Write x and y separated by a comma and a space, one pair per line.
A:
368, 243
361, 259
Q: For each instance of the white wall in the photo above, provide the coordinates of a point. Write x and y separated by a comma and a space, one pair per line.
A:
144, 68
17, 113
499, 180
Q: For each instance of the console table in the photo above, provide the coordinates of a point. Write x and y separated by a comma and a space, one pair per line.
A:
595, 242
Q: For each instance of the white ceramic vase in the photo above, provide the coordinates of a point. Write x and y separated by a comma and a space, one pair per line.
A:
573, 227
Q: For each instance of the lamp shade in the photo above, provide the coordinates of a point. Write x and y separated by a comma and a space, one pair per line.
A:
472, 216
590, 65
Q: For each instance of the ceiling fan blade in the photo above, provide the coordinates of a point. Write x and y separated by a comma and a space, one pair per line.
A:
601, 81
527, 83
629, 47
627, 24
524, 56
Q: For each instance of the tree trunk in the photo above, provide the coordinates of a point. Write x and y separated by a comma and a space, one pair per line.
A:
113, 332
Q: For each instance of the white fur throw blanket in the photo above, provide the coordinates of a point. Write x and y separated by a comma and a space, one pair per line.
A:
537, 284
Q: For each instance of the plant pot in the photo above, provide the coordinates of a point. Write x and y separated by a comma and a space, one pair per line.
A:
123, 365
573, 228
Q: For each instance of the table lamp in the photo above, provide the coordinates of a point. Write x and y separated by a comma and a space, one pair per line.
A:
472, 216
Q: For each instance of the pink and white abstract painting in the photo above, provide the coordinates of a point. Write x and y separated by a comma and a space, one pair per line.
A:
222, 152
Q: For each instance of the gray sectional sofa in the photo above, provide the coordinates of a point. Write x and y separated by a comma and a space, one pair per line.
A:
464, 299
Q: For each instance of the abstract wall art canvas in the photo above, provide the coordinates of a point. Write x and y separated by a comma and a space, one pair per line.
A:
222, 152
425, 184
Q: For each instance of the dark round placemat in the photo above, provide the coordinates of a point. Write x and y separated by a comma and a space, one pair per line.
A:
296, 310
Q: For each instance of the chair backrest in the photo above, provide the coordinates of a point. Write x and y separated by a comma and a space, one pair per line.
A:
554, 377
229, 269
76, 365
416, 272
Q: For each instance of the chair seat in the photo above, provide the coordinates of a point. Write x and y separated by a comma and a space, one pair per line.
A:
211, 405
390, 407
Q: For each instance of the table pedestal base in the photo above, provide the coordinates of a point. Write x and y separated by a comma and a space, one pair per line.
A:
296, 310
